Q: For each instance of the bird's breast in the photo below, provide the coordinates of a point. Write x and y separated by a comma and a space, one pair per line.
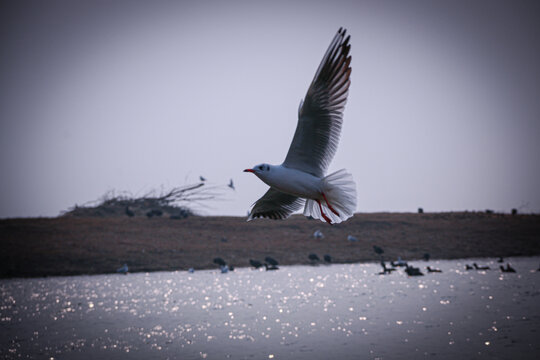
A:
295, 182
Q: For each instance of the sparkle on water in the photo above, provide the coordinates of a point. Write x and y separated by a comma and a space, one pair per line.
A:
300, 312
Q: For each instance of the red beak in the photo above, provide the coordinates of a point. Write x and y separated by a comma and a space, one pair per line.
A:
249, 170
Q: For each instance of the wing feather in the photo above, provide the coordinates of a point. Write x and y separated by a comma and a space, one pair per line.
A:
275, 205
320, 115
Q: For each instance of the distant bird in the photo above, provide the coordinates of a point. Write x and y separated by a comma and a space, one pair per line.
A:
420, 210
123, 270
129, 212
256, 264
154, 212
318, 234
327, 258
412, 271
429, 269
313, 257
378, 249
507, 269
231, 185
271, 261
501, 260
219, 261
468, 267
399, 262
270, 267
352, 238
480, 267
385, 269
426, 256
224, 269
202, 178
301, 178
191, 270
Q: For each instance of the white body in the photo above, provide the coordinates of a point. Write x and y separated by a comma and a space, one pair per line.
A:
339, 189
293, 182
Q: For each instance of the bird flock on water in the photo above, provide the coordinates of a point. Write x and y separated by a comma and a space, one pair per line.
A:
388, 267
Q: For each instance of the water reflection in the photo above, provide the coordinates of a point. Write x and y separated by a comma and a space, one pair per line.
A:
340, 311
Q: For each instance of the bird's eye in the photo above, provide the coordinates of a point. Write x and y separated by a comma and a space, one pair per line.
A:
260, 167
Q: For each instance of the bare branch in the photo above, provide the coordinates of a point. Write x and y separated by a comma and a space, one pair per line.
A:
176, 203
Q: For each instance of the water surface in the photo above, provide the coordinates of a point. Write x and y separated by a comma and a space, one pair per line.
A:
297, 312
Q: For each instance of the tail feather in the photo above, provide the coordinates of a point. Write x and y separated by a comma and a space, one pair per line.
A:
340, 190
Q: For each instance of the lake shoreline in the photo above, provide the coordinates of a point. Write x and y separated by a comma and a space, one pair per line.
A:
38, 247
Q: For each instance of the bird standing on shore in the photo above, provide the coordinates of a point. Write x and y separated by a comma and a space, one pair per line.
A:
219, 261
270, 263
123, 270
378, 250
313, 258
352, 238
255, 263
301, 178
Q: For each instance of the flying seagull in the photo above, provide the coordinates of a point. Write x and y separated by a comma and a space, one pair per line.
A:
301, 178
231, 185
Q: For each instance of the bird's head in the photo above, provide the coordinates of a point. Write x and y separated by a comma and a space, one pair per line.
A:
260, 170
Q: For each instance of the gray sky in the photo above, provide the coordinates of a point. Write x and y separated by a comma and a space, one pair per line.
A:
443, 110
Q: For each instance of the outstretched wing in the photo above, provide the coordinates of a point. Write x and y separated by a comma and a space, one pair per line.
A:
275, 205
320, 116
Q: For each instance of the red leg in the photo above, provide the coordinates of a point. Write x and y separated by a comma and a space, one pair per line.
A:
323, 215
329, 206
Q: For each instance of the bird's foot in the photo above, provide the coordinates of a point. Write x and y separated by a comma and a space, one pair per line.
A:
329, 206
327, 219
323, 214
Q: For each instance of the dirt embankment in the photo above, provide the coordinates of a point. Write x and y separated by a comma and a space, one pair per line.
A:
72, 246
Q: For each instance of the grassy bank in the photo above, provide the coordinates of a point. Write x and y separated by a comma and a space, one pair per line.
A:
73, 246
